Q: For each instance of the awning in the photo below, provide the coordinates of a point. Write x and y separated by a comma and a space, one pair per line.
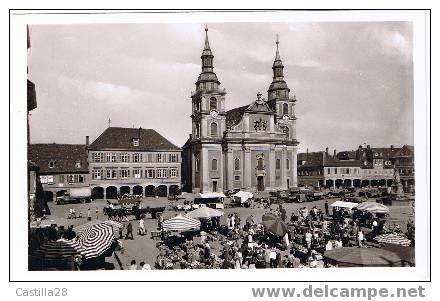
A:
342, 204
210, 195
205, 212
243, 196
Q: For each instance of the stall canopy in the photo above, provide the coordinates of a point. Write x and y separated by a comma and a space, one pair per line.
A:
342, 204
367, 257
243, 196
210, 195
373, 207
204, 212
181, 223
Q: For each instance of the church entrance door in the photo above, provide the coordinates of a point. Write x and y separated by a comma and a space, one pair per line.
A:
214, 186
260, 183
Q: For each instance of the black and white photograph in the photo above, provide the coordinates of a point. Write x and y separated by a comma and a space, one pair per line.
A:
224, 143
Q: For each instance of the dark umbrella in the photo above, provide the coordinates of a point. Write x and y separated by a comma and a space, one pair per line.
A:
355, 256
57, 255
405, 253
274, 225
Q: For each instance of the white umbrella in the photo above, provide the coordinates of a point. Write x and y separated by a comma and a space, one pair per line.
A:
204, 212
373, 207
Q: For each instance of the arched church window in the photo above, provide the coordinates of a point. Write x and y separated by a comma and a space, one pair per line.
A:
214, 129
285, 109
214, 164
237, 164
278, 164
213, 104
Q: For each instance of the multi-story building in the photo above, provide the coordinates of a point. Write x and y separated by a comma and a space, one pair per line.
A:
61, 167
320, 169
363, 167
252, 147
133, 161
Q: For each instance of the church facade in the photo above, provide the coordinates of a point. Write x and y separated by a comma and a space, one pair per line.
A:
253, 147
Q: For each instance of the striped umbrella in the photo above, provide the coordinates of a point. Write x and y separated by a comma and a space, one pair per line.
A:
59, 250
181, 223
96, 240
274, 225
81, 228
394, 239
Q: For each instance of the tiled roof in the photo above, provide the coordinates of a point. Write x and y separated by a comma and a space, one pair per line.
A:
122, 138
64, 157
322, 159
234, 116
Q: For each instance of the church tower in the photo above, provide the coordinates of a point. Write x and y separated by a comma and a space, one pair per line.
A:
208, 125
208, 101
279, 98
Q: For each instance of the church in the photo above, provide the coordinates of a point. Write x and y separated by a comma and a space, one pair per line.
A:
253, 147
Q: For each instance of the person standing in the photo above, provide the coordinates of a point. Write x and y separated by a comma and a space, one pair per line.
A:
142, 226
96, 211
360, 238
326, 208
129, 231
308, 238
89, 215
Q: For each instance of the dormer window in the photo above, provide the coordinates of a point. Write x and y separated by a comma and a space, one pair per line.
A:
77, 164
52, 164
135, 141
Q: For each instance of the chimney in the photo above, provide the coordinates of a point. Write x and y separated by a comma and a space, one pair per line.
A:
392, 147
307, 156
326, 150
139, 132
87, 141
334, 153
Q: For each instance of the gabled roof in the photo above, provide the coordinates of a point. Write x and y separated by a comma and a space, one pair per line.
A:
122, 138
64, 157
259, 106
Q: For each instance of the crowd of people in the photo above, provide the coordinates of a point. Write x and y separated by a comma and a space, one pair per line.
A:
246, 245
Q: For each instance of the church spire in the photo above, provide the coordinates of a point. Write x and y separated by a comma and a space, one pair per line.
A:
277, 55
207, 47
278, 88
207, 75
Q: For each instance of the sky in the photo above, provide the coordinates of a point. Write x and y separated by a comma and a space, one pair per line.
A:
353, 81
